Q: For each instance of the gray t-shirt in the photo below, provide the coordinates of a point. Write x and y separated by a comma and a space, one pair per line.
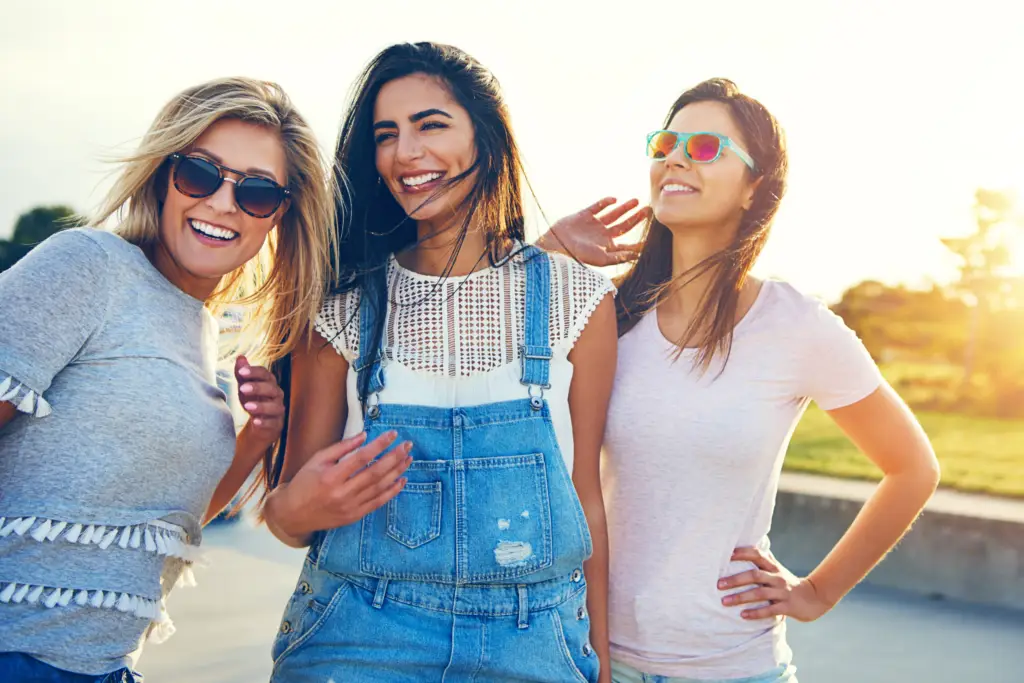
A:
121, 439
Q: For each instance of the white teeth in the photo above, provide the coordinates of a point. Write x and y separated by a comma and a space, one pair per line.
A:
420, 179
677, 188
213, 231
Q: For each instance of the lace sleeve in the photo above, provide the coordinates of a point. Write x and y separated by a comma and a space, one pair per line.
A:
576, 291
338, 323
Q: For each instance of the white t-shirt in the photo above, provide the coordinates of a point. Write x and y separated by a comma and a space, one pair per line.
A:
691, 471
458, 343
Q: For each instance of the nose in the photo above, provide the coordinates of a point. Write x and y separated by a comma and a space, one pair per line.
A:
223, 200
677, 157
409, 148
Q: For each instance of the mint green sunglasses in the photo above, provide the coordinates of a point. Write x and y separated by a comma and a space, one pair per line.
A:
701, 148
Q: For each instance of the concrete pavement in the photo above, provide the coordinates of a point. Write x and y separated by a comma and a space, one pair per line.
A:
226, 625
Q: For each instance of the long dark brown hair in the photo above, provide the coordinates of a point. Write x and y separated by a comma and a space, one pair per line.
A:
650, 278
376, 225
372, 225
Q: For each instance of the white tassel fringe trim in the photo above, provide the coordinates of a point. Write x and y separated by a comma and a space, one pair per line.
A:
155, 537
23, 398
52, 597
160, 629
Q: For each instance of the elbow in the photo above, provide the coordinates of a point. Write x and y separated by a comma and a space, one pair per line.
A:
925, 476
932, 473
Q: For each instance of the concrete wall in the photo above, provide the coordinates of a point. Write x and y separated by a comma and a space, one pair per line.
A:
963, 547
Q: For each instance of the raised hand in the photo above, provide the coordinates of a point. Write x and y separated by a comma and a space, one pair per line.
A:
589, 235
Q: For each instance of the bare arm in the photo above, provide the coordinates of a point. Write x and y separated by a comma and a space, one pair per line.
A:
319, 406
886, 431
249, 450
594, 358
319, 409
263, 401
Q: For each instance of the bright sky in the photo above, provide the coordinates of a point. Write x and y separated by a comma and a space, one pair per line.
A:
895, 111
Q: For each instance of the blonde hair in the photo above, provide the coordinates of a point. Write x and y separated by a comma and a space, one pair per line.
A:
280, 290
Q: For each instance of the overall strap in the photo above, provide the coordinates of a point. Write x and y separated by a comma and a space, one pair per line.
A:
366, 363
535, 354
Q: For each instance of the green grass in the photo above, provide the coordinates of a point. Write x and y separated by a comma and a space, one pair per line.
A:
976, 454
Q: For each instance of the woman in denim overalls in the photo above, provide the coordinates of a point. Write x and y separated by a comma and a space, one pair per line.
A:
492, 362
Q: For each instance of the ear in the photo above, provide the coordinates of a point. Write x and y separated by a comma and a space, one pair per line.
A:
282, 211
748, 195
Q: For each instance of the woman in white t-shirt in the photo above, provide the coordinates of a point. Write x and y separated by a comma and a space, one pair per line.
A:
715, 368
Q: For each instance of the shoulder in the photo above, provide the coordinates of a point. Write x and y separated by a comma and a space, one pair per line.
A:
781, 303
72, 261
581, 278
807, 322
79, 245
114, 247
338, 322
576, 292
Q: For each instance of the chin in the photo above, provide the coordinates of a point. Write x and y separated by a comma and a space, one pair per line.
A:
672, 218
434, 209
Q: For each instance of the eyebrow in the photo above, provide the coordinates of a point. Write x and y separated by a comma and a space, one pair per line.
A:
418, 116
252, 170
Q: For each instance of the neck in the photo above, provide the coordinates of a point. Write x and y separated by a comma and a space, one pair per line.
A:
195, 286
690, 247
437, 242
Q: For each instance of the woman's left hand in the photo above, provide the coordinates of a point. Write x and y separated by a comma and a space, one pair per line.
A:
261, 398
788, 594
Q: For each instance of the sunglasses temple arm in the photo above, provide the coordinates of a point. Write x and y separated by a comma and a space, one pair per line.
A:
742, 155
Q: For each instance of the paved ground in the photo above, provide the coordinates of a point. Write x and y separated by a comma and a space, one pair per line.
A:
225, 627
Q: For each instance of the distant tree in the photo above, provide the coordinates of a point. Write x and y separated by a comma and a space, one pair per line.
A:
923, 323
32, 228
36, 225
985, 284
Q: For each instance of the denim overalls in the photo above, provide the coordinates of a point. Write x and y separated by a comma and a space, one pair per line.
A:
474, 572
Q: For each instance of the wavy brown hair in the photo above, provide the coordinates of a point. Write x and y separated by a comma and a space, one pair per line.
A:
650, 278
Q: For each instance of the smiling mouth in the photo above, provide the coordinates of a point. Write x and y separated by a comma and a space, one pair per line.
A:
423, 181
678, 188
212, 231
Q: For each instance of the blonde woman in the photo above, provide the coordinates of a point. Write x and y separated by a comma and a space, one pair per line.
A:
115, 442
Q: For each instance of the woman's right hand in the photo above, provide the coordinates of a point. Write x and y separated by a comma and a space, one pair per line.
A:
338, 486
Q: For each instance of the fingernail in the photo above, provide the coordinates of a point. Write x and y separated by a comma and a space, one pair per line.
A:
257, 422
745, 615
244, 372
245, 388
728, 600
723, 583
250, 406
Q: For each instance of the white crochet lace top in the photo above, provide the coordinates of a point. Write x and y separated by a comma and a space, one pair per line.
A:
456, 343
